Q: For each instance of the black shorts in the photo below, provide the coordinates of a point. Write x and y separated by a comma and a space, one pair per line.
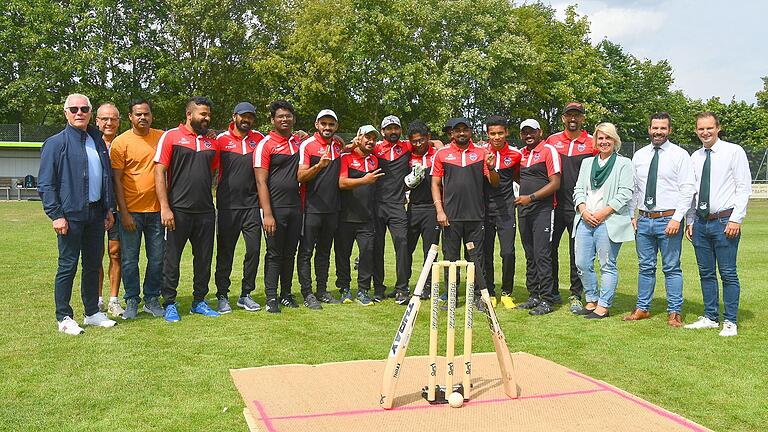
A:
114, 233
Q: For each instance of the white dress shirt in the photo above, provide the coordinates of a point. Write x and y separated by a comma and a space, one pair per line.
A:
675, 182
730, 182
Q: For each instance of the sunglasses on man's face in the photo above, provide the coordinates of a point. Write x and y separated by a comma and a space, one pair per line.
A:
84, 109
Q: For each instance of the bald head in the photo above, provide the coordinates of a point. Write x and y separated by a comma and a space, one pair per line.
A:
108, 120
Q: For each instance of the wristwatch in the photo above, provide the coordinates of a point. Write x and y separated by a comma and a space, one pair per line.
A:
532, 197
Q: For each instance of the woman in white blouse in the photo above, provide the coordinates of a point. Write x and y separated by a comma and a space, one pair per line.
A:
602, 223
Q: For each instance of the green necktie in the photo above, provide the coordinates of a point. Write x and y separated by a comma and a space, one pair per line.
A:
650, 185
702, 208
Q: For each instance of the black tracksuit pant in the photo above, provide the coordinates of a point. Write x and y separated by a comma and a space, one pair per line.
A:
394, 217
281, 251
317, 233
536, 236
199, 229
230, 223
422, 223
504, 225
563, 222
346, 234
455, 236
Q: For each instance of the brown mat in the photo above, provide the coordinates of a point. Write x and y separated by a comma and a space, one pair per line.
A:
344, 397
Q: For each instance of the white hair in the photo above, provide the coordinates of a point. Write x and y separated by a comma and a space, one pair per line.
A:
77, 95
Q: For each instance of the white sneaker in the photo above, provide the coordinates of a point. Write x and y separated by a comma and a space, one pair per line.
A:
115, 309
703, 323
99, 319
729, 329
70, 327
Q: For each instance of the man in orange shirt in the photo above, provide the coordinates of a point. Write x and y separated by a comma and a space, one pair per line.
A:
132, 156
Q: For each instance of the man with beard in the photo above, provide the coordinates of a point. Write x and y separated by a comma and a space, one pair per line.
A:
500, 211
275, 163
319, 177
394, 157
458, 172
186, 159
238, 208
358, 172
108, 122
574, 145
422, 218
664, 189
133, 168
539, 180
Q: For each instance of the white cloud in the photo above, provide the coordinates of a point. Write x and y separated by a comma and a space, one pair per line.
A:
624, 23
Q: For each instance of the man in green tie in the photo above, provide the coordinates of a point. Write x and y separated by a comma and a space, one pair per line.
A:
664, 188
724, 184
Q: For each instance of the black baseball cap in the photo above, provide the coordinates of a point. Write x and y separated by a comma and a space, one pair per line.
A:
455, 121
244, 108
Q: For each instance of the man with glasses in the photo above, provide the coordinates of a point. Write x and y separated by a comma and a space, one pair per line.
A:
75, 186
108, 122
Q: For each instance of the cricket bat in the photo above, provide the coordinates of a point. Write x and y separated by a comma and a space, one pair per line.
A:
403, 336
506, 366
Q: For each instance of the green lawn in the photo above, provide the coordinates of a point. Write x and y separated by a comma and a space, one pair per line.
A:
148, 375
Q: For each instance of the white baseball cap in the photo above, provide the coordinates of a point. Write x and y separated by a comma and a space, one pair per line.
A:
365, 130
531, 123
326, 113
389, 120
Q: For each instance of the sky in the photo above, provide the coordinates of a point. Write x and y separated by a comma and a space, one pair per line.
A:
715, 48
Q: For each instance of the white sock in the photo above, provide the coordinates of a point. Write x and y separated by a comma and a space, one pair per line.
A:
114, 300
101, 300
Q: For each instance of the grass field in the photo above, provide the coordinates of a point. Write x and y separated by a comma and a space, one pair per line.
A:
151, 376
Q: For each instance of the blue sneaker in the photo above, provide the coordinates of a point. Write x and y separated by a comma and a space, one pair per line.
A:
172, 313
203, 309
444, 297
346, 297
363, 299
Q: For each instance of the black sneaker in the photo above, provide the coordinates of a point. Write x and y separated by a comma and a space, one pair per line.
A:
392, 294
480, 305
377, 299
425, 294
273, 306
289, 301
327, 298
531, 303
542, 309
402, 298
310, 301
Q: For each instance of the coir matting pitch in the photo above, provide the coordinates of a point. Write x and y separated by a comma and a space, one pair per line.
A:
344, 397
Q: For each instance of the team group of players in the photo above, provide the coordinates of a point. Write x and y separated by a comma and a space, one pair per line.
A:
309, 193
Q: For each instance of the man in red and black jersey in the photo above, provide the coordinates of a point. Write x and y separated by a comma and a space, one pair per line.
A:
358, 172
459, 171
500, 211
185, 161
574, 145
238, 207
275, 164
394, 156
539, 180
319, 177
422, 218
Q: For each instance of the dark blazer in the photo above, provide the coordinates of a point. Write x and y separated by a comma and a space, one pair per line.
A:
63, 178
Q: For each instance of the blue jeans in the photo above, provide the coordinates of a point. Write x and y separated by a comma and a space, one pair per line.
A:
714, 248
591, 241
650, 239
86, 238
150, 225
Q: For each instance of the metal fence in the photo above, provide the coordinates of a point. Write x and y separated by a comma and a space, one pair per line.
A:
27, 133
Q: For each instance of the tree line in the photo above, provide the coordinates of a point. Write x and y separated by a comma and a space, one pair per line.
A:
428, 59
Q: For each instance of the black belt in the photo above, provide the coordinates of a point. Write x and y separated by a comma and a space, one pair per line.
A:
722, 214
